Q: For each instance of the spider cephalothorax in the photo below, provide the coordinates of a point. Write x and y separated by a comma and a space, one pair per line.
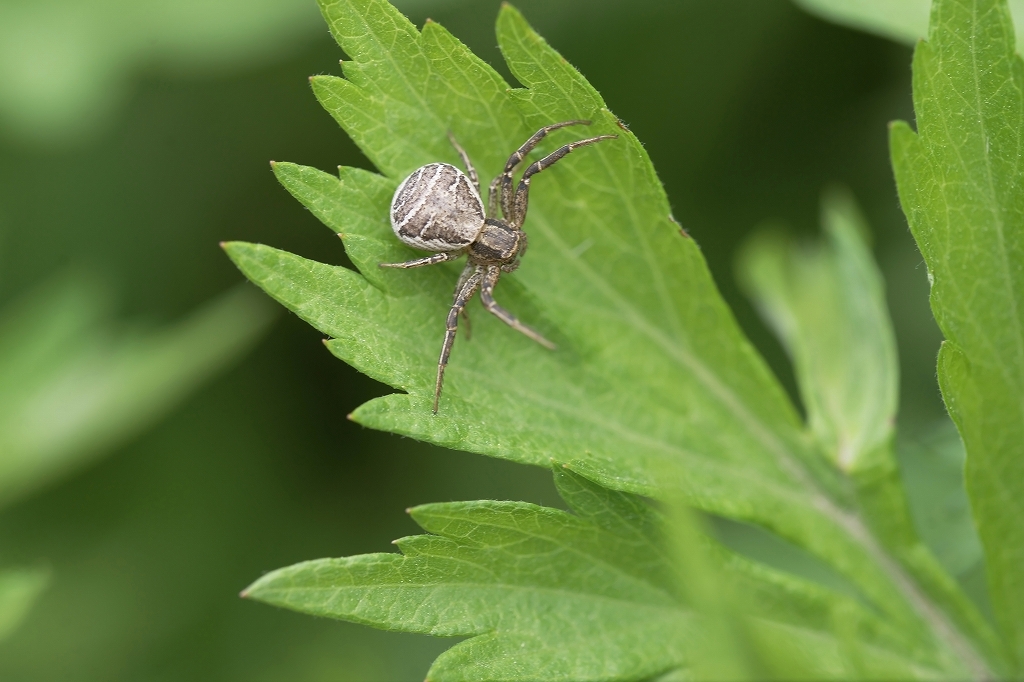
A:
438, 208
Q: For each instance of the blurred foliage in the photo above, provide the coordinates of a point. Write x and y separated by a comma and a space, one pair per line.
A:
73, 386
67, 66
747, 110
932, 461
902, 20
19, 588
827, 304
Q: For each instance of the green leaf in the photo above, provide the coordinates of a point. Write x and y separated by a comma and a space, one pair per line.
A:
99, 58
19, 588
905, 21
933, 466
653, 381
961, 184
72, 385
827, 304
546, 594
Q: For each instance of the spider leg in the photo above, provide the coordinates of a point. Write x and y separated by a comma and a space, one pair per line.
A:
505, 179
487, 298
462, 295
420, 262
492, 198
470, 171
467, 272
522, 196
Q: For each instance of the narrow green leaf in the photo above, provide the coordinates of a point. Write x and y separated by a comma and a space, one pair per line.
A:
905, 21
72, 385
101, 58
19, 589
545, 594
902, 20
961, 184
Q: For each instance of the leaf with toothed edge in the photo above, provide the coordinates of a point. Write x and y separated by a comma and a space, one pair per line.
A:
653, 386
546, 594
961, 185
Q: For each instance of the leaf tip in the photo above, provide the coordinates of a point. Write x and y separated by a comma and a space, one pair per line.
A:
509, 10
234, 249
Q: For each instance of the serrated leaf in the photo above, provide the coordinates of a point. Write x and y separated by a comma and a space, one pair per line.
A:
653, 380
19, 589
903, 20
545, 594
73, 385
961, 184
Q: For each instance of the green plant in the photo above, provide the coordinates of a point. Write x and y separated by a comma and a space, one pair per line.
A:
960, 182
902, 20
74, 385
100, 58
654, 392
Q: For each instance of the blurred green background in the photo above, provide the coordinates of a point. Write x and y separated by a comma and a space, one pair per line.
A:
134, 137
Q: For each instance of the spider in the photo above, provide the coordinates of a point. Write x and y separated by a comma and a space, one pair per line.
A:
438, 208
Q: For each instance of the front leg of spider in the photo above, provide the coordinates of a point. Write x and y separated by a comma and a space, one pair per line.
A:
462, 295
438, 208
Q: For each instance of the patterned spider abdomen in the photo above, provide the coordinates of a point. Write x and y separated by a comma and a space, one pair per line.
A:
437, 209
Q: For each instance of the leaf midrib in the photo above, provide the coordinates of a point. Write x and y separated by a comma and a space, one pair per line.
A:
990, 181
992, 203
756, 478
482, 586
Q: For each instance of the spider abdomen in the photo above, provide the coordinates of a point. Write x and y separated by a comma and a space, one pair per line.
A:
437, 209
